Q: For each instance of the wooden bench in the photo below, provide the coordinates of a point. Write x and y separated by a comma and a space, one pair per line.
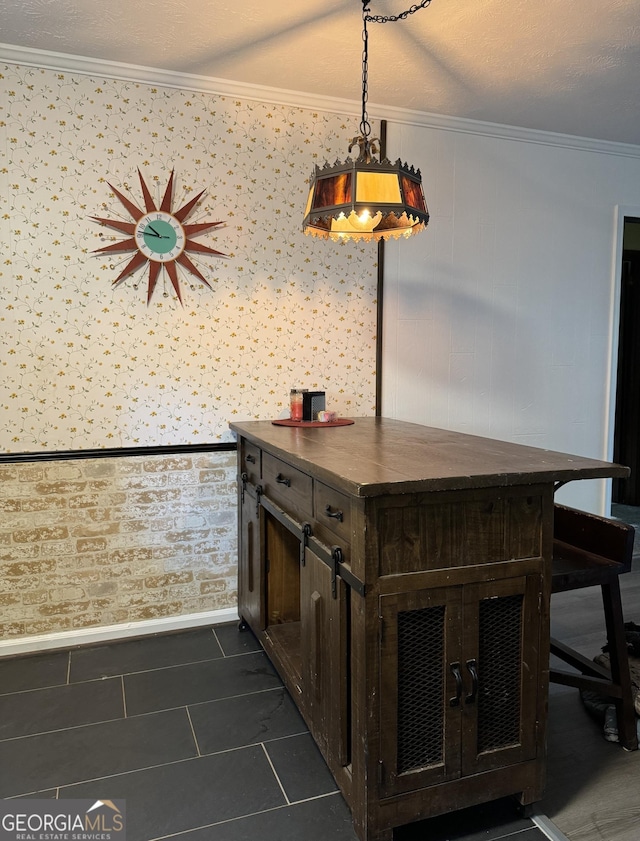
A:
589, 550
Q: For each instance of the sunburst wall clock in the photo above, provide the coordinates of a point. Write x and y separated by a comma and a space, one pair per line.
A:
159, 236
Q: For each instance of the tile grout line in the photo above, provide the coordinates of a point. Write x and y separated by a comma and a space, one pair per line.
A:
242, 817
193, 732
124, 698
40, 733
275, 773
112, 776
214, 700
143, 672
102, 721
222, 656
57, 686
217, 639
236, 695
97, 723
512, 836
130, 771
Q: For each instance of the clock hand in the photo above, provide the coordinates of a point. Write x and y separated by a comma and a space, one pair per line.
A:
155, 233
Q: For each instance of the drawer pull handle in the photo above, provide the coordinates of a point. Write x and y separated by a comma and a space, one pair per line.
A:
336, 515
472, 666
455, 671
251, 459
282, 480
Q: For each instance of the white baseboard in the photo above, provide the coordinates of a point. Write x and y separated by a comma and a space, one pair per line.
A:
112, 633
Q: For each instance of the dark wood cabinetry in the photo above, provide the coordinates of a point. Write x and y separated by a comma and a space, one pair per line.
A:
324, 632
398, 578
459, 669
250, 560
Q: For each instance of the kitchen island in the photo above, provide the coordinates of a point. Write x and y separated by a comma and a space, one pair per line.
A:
398, 577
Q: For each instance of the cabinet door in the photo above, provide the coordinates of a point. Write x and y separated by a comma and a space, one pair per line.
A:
420, 688
324, 649
501, 672
459, 681
250, 567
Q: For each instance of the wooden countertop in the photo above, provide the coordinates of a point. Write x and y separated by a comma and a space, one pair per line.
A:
375, 456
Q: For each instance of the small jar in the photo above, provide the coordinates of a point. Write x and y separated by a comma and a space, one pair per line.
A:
295, 405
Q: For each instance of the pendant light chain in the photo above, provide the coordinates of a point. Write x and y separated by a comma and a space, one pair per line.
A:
365, 125
401, 16
364, 198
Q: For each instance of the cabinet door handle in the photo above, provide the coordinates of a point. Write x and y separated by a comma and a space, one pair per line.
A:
337, 515
455, 671
282, 480
472, 666
251, 459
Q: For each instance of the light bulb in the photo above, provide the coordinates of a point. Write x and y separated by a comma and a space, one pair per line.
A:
355, 224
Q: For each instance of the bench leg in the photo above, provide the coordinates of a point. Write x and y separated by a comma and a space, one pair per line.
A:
625, 712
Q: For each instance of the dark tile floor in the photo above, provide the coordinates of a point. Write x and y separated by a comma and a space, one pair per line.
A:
196, 732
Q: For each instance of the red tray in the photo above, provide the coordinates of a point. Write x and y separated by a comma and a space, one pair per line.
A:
306, 424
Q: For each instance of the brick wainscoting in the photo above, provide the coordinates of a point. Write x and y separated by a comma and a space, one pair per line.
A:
111, 540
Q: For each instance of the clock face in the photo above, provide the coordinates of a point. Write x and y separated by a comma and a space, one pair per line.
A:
160, 237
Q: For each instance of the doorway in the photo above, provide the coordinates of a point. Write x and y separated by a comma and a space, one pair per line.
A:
626, 438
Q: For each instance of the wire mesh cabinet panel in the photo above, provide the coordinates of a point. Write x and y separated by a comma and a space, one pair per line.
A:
458, 681
502, 626
419, 739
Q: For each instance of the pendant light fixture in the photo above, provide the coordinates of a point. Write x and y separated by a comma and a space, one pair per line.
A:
365, 198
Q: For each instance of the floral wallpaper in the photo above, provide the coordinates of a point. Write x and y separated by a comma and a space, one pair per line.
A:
86, 364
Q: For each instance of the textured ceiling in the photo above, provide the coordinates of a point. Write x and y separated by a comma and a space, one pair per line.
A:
557, 65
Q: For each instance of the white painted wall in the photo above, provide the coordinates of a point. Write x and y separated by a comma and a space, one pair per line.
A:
501, 319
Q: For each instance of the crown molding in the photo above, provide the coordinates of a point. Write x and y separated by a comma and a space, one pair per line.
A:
500, 131
63, 62
84, 65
